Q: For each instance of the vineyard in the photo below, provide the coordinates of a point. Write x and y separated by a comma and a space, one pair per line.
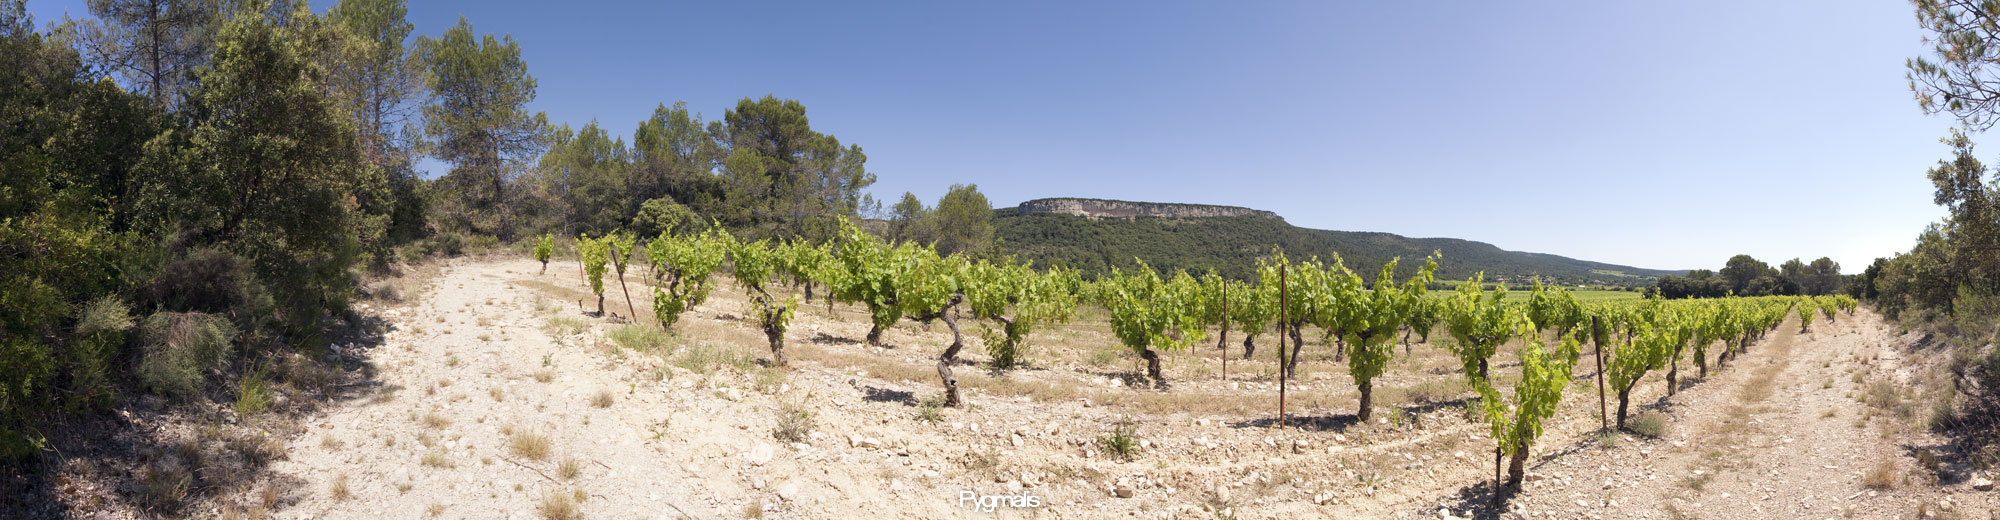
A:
357, 259
1309, 389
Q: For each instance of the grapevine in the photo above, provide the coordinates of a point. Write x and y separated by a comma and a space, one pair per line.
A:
682, 265
543, 248
594, 254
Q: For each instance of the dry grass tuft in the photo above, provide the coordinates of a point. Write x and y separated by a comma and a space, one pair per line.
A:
529, 445
602, 399
1882, 476
339, 489
557, 505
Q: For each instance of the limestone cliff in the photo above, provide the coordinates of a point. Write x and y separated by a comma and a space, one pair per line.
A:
1100, 208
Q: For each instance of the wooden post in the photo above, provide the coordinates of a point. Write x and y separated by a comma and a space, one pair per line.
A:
1602, 420
1224, 343
1282, 318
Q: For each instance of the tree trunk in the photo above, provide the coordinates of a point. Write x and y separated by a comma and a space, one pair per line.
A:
874, 335
600, 305
950, 354
1701, 360
1340, 349
545, 267
1153, 367
1249, 345
809, 292
1406, 342
1482, 370
1367, 400
1517, 466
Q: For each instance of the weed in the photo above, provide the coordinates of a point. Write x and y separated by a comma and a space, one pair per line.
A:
795, 423
1648, 424
436, 459
602, 399
639, 337
1607, 439
569, 468
164, 487
566, 326
254, 395
1120, 442
1103, 356
544, 375
930, 411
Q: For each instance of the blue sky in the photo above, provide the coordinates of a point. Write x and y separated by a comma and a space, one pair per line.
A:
1656, 134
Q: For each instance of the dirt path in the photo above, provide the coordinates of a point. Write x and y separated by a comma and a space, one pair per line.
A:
499, 398
1788, 431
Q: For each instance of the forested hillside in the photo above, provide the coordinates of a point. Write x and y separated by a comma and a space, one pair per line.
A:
1230, 245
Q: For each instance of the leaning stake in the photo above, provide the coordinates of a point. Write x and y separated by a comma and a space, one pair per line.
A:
1603, 422
1282, 374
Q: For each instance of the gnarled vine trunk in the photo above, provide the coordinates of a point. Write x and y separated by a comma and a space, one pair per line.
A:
1298, 341
950, 352
1624, 403
1249, 345
1517, 466
1367, 400
1674, 373
874, 334
1153, 367
772, 331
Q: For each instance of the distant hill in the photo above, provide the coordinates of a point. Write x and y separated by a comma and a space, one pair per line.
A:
1093, 235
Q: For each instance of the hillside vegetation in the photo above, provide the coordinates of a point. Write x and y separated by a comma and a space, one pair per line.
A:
1230, 245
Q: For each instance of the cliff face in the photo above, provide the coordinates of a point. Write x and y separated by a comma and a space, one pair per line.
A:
1100, 208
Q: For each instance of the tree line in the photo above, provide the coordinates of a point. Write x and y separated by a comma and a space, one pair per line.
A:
1744, 275
192, 188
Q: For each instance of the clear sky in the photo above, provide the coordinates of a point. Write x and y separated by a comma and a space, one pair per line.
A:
1655, 134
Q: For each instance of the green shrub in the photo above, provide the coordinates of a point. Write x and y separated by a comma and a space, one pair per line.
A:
181, 348
100, 334
203, 280
481, 243
663, 215
446, 244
